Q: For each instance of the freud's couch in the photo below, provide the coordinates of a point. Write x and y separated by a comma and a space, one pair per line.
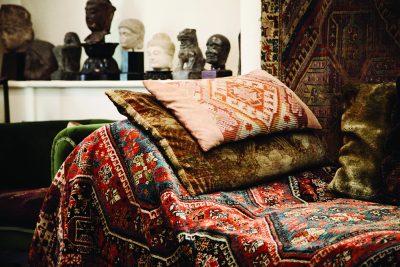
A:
148, 191
31, 152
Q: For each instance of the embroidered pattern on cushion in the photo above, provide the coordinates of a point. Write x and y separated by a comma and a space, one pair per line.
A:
240, 106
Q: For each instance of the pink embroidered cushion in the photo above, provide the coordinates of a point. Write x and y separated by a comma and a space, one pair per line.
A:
221, 110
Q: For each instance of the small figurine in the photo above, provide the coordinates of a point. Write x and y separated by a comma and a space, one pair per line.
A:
100, 65
191, 61
217, 52
68, 58
131, 36
160, 52
25, 58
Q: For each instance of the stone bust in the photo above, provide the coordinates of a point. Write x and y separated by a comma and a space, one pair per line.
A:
68, 57
99, 14
17, 35
131, 34
160, 52
218, 47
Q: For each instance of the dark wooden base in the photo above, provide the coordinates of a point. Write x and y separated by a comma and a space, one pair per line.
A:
158, 75
210, 74
186, 74
99, 76
62, 75
126, 76
13, 66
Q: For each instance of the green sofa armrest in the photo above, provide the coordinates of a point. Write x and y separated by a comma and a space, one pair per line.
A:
65, 142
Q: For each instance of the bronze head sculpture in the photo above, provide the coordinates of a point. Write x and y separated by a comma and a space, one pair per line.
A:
217, 52
99, 15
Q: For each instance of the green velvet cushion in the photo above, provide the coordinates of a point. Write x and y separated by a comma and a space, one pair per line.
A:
66, 140
366, 123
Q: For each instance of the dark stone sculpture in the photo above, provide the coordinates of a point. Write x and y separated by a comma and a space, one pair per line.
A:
99, 14
100, 64
191, 61
218, 47
25, 58
68, 58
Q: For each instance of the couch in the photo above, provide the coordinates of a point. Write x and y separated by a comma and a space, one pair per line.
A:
142, 192
31, 154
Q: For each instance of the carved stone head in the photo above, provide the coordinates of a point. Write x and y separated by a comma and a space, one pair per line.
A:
15, 28
131, 34
160, 51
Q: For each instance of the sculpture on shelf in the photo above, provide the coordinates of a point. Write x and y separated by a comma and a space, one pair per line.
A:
191, 61
25, 57
99, 14
131, 36
68, 58
100, 65
160, 52
218, 47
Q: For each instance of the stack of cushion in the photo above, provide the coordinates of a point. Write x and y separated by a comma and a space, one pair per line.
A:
226, 133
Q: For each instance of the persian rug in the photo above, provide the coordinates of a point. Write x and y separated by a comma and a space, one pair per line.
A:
116, 202
317, 46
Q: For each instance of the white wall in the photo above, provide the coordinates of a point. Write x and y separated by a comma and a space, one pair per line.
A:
250, 16
53, 18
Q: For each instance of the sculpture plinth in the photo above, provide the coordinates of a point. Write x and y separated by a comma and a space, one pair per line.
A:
132, 66
13, 66
100, 65
158, 75
210, 74
186, 74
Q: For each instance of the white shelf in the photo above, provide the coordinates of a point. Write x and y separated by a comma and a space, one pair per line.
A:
76, 84
65, 100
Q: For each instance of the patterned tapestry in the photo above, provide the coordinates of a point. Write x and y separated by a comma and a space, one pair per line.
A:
316, 46
117, 202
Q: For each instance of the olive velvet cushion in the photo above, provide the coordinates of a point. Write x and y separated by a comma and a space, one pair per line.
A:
366, 123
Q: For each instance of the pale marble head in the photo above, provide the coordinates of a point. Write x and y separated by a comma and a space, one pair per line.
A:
131, 34
160, 52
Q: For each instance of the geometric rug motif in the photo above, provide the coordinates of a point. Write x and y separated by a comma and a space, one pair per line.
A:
317, 46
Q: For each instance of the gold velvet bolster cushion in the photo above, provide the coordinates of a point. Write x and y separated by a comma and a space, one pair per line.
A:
365, 125
225, 167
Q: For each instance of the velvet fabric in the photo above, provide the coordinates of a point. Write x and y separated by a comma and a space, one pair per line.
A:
25, 152
21, 208
228, 166
391, 163
366, 123
67, 139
